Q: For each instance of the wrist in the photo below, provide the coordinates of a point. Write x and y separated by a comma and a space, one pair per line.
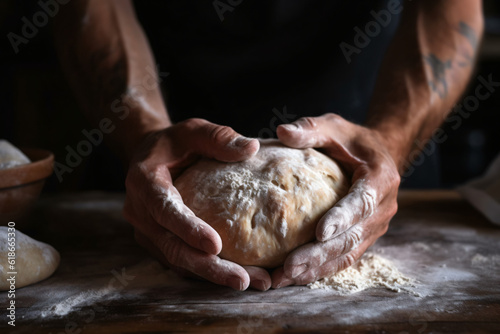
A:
395, 141
135, 142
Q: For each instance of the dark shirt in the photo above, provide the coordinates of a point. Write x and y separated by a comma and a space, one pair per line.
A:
268, 62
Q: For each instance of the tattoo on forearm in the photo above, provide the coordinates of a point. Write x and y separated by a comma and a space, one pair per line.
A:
438, 83
439, 67
465, 30
467, 57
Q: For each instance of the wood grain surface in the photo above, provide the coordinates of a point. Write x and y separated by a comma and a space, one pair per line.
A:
107, 284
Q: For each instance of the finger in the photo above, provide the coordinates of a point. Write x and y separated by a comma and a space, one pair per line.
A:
329, 131
280, 280
359, 204
328, 269
259, 278
312, 131
302, 133
210, 267
359, 236
315, 254
146, 243
217, 141
169, 211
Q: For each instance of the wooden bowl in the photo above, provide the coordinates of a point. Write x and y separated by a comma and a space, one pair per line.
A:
20, 186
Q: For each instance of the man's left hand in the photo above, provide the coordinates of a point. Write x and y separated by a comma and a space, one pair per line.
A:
346, 231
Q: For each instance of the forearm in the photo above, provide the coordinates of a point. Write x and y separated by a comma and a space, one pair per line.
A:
111, 69
425, 71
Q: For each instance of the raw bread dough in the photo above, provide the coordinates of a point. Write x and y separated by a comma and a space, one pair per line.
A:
35, 260
264, 207
10, 156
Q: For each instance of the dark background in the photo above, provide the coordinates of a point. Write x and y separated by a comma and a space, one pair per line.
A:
38, 109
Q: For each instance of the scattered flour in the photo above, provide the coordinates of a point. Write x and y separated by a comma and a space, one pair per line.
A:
480, 260
140, 277
83, 298
422, 246
370, 272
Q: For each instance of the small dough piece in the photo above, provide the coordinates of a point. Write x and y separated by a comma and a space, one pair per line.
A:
264, 207
11, 156
35, 260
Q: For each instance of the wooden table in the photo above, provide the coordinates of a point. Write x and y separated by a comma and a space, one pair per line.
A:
107, 284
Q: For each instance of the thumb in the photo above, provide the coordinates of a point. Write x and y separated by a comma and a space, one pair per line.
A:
331, 132
219, 142
304, 133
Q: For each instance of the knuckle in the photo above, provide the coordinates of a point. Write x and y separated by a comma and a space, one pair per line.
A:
220, 134
309, 122
340, 122
368, 203
352, 240
348, 261
337, 216
393, 209
385, 227
172, 251
308, 277
395, 179
332, 117
355, 239
390, 172
191, 123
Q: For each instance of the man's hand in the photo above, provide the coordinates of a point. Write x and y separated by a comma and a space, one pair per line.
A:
163, 224
355, 222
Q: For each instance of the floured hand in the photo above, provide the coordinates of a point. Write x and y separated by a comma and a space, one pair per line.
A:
347, 230
163, 224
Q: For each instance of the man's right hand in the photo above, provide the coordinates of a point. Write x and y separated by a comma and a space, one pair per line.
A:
163, 224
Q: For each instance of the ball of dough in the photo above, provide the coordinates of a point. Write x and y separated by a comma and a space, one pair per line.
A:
35, 260
264, 207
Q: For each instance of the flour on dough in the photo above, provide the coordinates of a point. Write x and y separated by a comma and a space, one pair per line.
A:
35, 260
10, 156
266, 206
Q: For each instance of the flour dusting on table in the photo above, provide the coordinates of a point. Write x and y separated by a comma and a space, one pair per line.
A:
83, 298
370, 272
479, 260
127, 282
